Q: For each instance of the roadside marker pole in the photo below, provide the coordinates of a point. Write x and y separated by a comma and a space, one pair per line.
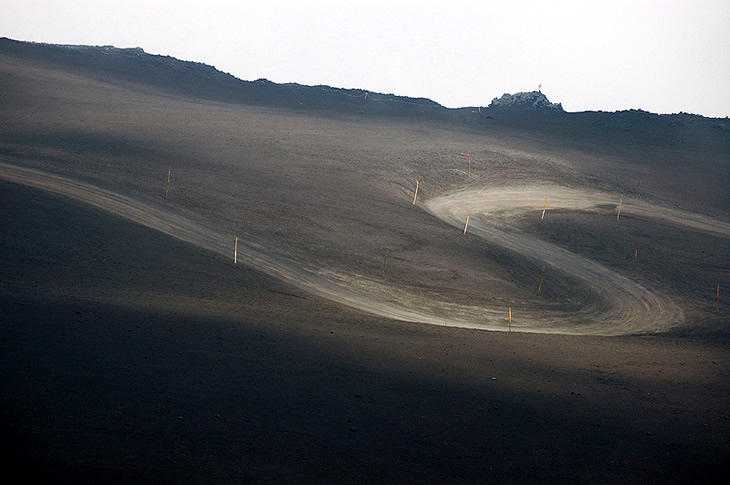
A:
415, 194
542, 278
167, 187
544, 208
467, 221
235, 252
620, 203
510, 319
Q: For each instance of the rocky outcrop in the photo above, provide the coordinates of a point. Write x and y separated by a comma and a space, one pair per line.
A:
532, 100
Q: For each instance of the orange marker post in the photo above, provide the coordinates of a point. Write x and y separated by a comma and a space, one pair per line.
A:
510, 319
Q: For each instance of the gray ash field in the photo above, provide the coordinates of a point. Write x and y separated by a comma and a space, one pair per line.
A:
360, 337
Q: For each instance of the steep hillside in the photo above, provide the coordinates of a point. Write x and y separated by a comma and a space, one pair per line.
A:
602, 141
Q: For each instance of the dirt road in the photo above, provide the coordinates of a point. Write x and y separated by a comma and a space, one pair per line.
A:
621, 306
629, 306
328, 284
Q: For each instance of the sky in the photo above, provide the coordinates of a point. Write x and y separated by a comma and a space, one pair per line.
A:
663, 56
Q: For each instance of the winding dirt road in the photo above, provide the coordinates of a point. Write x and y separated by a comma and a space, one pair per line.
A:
622, 305
329, 284
631, 308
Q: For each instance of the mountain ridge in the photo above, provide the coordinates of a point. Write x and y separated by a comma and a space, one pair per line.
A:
608, 132
203, 80
88, 56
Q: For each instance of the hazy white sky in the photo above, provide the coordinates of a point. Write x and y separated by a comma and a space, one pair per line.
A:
663, 56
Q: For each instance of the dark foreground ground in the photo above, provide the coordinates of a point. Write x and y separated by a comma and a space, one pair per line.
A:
131, 357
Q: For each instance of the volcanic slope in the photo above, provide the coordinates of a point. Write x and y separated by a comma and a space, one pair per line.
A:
130, 355
325, 200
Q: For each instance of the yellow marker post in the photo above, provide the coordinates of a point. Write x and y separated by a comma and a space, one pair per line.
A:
467, 221
510, 319
235, 252
620, 203
542, 278
415, 194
